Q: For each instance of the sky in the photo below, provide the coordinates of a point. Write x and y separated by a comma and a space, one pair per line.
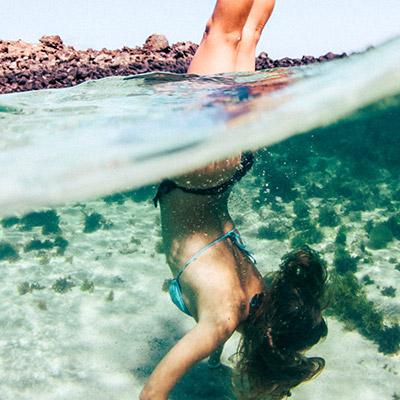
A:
297, 27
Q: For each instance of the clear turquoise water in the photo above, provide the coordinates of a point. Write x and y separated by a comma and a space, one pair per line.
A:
327, 138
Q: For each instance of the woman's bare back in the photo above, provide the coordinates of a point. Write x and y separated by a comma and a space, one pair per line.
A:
223, 278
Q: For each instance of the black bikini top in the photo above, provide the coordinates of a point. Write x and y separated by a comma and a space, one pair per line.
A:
167, 184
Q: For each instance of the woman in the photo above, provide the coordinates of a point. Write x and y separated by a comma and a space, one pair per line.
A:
216, 280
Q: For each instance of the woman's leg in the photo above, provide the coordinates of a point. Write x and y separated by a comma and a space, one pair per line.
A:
251, 33
218, 49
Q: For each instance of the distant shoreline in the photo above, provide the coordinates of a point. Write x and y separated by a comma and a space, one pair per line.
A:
52, 64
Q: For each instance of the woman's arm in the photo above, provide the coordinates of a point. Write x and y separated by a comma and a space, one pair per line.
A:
196, 345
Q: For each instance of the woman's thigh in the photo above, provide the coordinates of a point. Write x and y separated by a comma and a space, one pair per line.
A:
259, 15
231, 15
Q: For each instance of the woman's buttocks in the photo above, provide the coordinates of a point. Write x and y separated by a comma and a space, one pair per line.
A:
183, 214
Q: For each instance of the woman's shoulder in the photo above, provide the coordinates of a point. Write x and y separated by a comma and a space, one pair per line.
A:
220, 295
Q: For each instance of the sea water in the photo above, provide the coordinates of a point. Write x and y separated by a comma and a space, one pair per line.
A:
82, 312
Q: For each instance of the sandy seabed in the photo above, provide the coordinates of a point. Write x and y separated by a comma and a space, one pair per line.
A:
103, 344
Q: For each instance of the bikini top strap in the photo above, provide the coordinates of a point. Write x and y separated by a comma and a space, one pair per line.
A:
196, 255
237, 239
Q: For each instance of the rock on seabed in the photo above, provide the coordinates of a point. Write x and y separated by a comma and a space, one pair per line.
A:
52, 64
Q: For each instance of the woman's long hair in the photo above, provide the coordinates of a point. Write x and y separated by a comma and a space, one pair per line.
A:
270, 360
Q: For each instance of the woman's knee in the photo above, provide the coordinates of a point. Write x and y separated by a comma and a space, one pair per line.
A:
251, 35
228, 34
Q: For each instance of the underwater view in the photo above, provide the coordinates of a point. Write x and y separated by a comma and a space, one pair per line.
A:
82, 308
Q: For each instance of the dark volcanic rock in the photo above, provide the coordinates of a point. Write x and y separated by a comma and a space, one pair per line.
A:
52, 64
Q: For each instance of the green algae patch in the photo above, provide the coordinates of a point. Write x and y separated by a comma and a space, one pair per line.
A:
87, 286
394, 225
367, 280
95, 221
118, 198
380, 235
9, 222
110, 296
301, 209
314, 190
8, 252
48, 220
328, 217
41, 305
273, 231
27, 287
348, 303
308, 233
341, 236
137, 195
63, 285
312, 236
343, 261
355, 216
389, 291
39, 245
59, 243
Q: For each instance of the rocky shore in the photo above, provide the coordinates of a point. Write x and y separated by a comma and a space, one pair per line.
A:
52, 64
